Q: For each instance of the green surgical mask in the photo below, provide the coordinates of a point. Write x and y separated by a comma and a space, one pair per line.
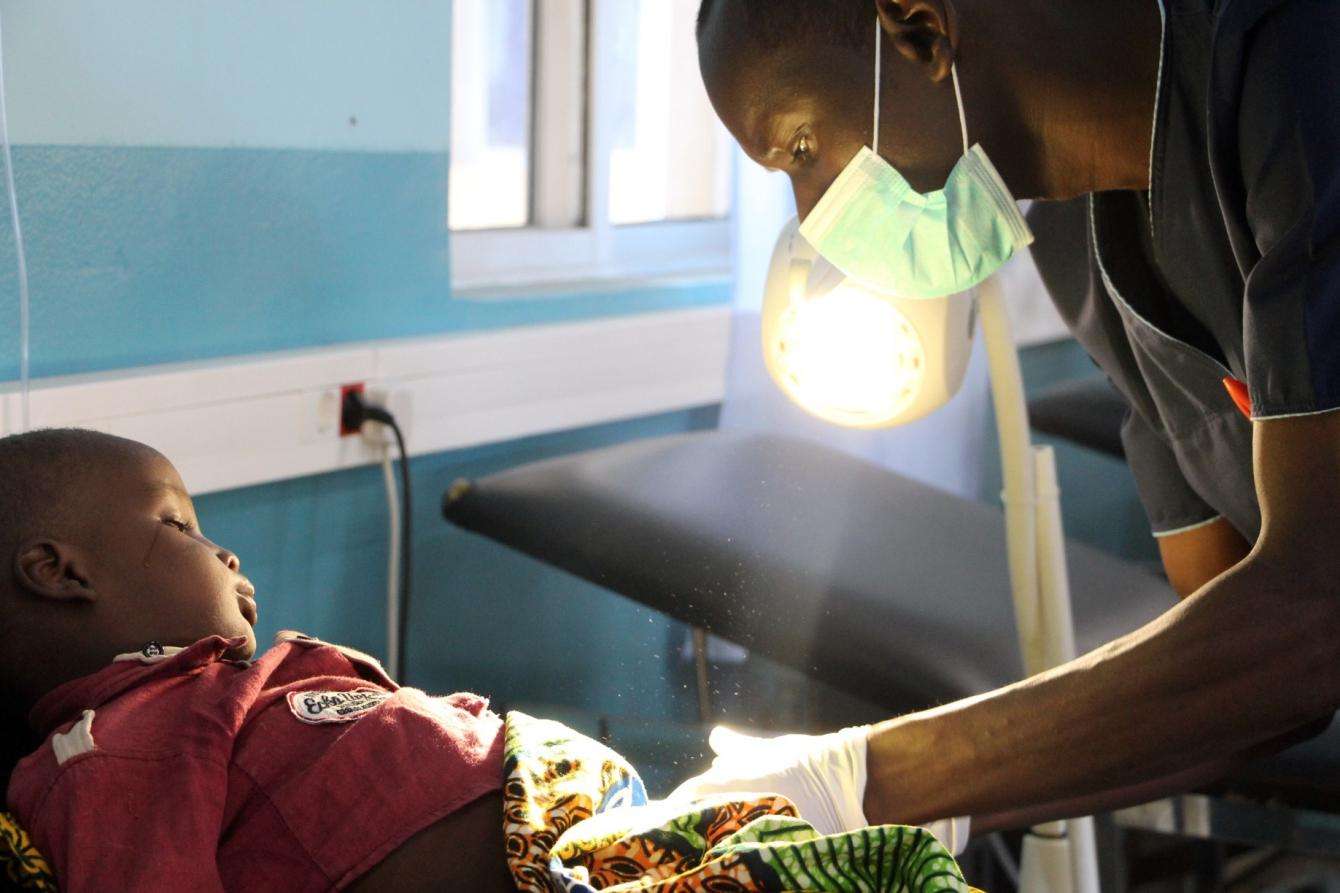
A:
873, 226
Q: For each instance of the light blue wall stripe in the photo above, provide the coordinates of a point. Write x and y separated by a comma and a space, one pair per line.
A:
139, 256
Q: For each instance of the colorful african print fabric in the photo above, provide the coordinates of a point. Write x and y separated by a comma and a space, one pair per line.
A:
25, 869
577, 819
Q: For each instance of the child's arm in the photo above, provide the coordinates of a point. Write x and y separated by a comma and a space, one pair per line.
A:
121, 822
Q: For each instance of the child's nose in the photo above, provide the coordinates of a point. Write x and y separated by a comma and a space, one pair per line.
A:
228, 558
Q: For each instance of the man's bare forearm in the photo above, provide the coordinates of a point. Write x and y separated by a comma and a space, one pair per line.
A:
1142, 792
1103, 801
1248, 658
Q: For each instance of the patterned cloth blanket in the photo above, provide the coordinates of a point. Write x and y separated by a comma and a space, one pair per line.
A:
24, 866
577, 820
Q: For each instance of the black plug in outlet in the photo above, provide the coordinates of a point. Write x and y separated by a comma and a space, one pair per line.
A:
351, 408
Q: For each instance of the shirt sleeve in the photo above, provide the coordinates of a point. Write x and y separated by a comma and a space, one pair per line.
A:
1278, 165
112, 822
1170, 503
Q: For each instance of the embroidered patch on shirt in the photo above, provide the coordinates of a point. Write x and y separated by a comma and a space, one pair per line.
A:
334, 706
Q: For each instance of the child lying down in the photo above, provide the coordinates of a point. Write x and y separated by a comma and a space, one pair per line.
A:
152, 752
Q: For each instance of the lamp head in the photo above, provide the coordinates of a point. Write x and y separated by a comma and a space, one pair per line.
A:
854, 356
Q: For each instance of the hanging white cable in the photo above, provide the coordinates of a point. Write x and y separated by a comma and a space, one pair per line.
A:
392, 562
18, 242
879, 71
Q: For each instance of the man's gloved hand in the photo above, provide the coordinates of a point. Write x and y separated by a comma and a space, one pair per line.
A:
823, 775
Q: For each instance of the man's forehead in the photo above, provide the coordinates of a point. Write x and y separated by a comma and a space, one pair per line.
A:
745, 85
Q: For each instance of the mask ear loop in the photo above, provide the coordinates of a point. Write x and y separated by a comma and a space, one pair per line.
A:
879, 70
958, 98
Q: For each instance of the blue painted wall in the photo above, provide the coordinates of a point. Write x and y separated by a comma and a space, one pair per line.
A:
192, 185
140, 255
203, 180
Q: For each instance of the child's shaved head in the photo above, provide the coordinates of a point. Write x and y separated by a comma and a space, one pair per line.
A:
101, 553
44, 474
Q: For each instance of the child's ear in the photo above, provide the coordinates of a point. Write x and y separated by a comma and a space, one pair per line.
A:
50, 569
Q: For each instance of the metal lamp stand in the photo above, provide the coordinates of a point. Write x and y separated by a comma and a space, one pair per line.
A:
1058, 857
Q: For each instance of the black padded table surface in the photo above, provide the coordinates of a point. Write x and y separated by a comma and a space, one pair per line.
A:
1088, 412
878, 585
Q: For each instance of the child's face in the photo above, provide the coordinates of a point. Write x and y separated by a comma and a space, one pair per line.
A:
156, 576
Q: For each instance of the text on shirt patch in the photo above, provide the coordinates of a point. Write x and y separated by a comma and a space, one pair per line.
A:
334, 706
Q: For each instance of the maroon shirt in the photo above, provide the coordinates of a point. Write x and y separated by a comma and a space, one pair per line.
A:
299, 771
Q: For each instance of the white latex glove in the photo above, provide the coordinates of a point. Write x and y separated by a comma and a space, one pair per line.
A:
823, 775
952, 833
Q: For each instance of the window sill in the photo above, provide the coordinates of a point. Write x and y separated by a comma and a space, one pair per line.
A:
565, 287
532, 260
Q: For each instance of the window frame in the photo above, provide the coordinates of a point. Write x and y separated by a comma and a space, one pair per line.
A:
570, 239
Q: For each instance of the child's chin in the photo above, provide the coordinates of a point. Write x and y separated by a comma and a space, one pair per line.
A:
245, 650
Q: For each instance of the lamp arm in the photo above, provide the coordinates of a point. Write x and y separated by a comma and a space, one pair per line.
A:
1017, 470
1060, 857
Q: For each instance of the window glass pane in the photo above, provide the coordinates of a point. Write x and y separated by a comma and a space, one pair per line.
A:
490, 114
670, 157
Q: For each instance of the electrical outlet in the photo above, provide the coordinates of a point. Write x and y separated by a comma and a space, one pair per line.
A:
396, 402
321, 423
356, 387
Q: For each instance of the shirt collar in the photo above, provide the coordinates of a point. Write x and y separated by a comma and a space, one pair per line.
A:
69, 700
150, 654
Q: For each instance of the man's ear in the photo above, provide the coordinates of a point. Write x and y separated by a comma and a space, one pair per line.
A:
924, 31
50, 569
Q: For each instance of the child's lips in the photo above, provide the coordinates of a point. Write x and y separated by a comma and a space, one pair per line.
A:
248, 606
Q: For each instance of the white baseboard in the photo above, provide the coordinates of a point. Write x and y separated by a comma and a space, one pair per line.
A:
265, 417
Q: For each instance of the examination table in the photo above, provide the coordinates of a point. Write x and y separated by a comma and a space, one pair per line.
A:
875, 584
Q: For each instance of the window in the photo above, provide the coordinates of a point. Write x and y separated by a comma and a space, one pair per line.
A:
666, 161
583, 144
490, 114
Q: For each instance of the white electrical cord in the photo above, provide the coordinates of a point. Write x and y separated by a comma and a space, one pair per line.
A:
879, 71
18, 242
392, 562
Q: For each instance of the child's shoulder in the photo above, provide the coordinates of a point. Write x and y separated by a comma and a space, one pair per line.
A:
320, 657
163, 700
147, 706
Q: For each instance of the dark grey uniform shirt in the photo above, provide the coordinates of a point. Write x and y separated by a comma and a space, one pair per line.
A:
1229, 266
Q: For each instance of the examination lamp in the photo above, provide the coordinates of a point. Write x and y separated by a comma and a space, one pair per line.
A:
854, 356
867, 359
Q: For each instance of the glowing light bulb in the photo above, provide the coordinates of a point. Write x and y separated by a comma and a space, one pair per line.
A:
849, 356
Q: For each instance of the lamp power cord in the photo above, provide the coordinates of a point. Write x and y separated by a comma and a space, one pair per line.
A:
354, 412
393, 606
25, 335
